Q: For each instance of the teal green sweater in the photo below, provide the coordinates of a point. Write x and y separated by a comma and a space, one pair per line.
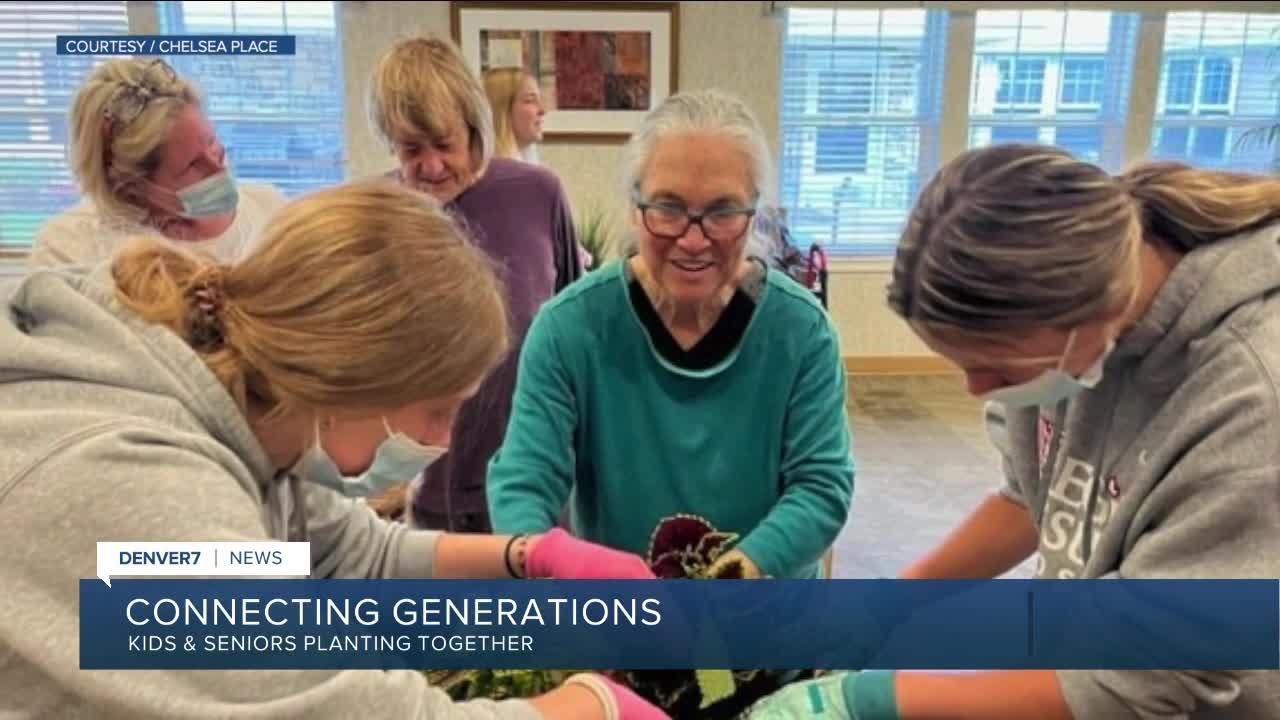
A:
759, 445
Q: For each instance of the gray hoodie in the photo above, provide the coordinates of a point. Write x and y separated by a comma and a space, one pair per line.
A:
1182, 431
114, 430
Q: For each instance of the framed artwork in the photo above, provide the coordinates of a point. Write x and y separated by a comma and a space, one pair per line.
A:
601, 66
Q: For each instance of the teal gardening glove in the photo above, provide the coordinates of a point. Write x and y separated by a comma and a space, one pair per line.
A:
837, 696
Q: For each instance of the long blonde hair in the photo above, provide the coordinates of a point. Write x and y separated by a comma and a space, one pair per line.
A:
1010, 238
502, 86
120, 118
362, 297
417, 85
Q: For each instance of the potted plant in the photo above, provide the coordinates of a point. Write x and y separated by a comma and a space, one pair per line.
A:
595, 231
682, 546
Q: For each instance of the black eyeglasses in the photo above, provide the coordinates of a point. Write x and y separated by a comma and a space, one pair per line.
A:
671, 222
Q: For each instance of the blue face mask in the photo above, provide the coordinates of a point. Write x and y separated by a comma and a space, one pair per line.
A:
399, 459
214, 195
1052, 386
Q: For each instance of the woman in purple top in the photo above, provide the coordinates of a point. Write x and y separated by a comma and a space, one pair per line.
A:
429, 107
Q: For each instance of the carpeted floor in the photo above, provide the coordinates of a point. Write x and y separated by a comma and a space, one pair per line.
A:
923, 462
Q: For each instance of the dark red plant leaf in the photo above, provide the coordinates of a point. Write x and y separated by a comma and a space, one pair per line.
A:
678, 532
669, 566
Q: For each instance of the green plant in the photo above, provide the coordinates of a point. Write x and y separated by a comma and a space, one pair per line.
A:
465, 685
682, 546
595, 231
1265, 136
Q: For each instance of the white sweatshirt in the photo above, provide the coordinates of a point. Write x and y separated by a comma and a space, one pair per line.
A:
78, 236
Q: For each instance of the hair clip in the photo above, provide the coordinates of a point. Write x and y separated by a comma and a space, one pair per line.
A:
207, 331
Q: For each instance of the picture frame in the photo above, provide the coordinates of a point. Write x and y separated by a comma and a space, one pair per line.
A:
601, 66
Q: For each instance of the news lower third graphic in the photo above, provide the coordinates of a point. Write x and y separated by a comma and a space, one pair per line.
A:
177, 45
249, 606
203, 559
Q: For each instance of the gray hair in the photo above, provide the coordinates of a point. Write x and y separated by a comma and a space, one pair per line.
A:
706, 111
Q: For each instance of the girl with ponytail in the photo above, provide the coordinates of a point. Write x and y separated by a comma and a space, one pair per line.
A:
1125, 332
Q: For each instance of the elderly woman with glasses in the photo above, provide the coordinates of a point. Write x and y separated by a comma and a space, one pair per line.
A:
147, 160
689, 378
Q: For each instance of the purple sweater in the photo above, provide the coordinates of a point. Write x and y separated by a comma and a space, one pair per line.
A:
519, 215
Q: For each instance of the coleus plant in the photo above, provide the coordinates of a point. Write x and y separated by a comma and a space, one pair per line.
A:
689, 546
681, 547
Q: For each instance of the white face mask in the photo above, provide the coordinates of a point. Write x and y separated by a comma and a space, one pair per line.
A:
399, 459
1053, 386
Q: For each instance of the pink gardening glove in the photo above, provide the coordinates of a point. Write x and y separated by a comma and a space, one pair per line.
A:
557, 554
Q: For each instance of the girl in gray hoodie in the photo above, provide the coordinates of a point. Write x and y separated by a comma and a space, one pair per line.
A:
1126, 331
165, 398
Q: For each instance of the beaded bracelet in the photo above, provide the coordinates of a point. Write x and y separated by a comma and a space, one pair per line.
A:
506, 554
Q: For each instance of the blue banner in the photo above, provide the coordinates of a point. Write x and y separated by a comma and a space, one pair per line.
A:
177, 44
680, 624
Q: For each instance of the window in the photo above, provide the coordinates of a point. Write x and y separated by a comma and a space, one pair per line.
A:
848, 92
1014, 134
861, 102
280, 117
1180, 85
841, 149
36, 88
1210, 144
1217, 84
868, 105
1065, 71
1084, 142
1021, 84
1081, 82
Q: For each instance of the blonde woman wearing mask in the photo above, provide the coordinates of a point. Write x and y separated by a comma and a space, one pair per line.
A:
1126, 332
517, 112
167, 398
147, 160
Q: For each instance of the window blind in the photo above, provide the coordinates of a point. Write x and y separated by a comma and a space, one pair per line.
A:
1056, 77
860, 109
280, 117
1218, 90
36, 89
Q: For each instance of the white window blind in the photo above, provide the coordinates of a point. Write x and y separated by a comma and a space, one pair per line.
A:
36, 89
861, 96
1056, 77
280, 117
1218, 90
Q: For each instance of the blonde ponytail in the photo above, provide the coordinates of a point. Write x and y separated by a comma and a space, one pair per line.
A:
168, 285
1188, 207
363, 297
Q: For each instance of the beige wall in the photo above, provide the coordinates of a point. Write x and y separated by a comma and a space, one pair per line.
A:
728, 45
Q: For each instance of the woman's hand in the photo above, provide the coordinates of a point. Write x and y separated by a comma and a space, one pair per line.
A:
735, 565
557, 554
